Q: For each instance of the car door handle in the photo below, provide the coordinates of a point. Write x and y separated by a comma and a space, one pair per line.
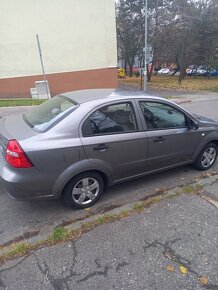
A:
159, 139
100, 147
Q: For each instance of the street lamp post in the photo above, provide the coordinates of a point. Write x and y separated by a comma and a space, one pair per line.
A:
146, 29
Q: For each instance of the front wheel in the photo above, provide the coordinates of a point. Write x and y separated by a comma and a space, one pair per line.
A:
206, 157
83, 190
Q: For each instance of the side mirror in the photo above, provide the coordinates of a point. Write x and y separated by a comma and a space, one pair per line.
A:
192, 124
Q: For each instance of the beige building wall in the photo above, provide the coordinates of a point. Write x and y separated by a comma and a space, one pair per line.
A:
75, 36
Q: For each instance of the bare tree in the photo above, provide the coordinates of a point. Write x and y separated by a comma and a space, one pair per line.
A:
130, 30
189, 20
208, 38
183, 32
158, 38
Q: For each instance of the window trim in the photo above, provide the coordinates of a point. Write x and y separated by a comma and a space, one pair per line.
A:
110, 133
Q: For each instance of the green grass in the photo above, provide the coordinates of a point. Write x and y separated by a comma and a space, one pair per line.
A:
105, 219
138, 207
192, 189
59, 234
20, 102
20, 249
101, 220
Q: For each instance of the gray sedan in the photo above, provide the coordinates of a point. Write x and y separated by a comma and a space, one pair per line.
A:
75, 144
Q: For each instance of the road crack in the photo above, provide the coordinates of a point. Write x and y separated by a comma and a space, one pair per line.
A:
171, 255
121, 265
59, 283
103, 272
2, 285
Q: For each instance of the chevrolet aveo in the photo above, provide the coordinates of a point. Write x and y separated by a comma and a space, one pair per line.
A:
75, 144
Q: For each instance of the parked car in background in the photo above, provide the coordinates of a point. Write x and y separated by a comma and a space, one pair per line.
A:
75, 144
164, 71
200, 71
196, 72
214, 73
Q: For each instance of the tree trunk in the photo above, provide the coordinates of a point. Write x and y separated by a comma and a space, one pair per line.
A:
182, 74
130, 70
125, 67
149, 72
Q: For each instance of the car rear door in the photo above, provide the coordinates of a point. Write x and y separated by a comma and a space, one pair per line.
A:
113, 138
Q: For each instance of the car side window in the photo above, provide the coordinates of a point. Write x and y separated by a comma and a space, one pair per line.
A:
117, 118
162, 116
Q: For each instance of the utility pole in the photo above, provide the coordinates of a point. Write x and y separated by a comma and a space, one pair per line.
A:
146, 44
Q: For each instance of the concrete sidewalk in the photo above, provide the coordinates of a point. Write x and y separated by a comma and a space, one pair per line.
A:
168, 246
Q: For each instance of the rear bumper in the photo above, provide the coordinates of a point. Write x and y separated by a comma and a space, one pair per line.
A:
32, 197
26, 184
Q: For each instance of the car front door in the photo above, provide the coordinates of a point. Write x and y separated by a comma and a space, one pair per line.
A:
170, 141
111, 138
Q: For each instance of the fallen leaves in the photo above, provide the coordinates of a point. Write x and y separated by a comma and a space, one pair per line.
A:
203, 280
171, 82
170, 268
183, 269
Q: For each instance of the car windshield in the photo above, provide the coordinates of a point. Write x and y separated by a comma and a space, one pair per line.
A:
49, 113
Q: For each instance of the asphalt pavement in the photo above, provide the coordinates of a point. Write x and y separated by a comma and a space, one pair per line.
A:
170, 245
144, 251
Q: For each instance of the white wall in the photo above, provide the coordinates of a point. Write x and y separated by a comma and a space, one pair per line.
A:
75, 35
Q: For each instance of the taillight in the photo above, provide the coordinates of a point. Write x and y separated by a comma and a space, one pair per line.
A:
15, 155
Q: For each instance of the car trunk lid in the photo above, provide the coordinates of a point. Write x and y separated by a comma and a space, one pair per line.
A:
13, 127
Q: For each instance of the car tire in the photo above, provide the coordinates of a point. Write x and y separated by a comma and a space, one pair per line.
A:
206, 157
83, 190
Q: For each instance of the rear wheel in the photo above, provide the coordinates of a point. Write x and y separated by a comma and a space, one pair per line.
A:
206, 157
83, 190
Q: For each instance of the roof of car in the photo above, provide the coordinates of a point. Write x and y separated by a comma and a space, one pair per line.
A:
84, 96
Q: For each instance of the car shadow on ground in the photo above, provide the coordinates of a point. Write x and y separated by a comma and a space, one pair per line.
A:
128, 191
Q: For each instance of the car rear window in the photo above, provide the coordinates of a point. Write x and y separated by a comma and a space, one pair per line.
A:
46, 115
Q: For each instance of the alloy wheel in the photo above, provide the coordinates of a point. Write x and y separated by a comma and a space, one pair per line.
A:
208, 157
85, 191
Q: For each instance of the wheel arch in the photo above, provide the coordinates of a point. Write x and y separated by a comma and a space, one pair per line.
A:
210, 158
74, 171
101, 173
215, 142
202, 145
